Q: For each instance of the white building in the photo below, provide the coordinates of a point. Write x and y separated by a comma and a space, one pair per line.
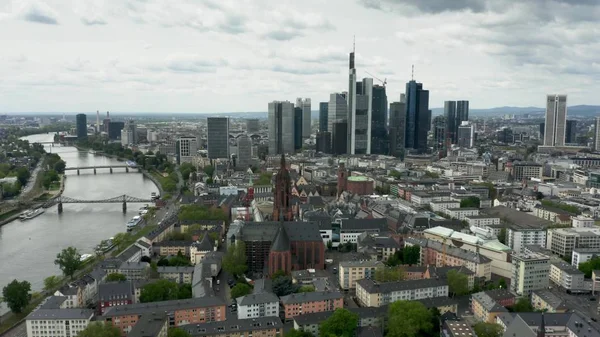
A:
556, 120
466, 135
462, 213
482, 221
581, 221
127, 137
372, 294
519, 236
566, 276
51, 319
529, 272
442, 206
562, 241
581, 255
263, 304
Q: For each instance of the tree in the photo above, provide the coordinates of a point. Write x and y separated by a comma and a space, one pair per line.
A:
240, 289
23, 175
395, 259
60, 166
16, 295
100, 329
161, 290
177, 332
283, 286
470, 202
408, 319
502, 235
389, 274
502, 284
69, 261
411, 255
522, 305
342, 323
588, 266
146, 259
458, 283
483, 329
179, 260
115, 277
185, 291
306, 289
234, 261
209, 170
298, 333
51, 282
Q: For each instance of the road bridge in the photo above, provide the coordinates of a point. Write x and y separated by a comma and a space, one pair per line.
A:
123, 199
109, 167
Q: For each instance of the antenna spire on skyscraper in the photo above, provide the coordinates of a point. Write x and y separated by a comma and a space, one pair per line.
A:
412, 75
354, 43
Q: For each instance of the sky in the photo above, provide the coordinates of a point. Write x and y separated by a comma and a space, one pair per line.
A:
204, 56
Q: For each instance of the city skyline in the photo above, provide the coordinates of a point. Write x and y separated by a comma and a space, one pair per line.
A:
155, 57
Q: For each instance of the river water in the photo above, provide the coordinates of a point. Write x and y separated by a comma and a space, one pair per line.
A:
28, 249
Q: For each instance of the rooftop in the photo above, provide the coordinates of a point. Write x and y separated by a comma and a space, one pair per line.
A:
488, 303
149, 325
263, 297
166, 306
358, 178
314, 296
47, 314
372, 287
232, 326
115, 290
551, 299
517, 218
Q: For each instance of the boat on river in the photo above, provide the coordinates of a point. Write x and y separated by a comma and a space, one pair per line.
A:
105, 246
30, 214
134, 222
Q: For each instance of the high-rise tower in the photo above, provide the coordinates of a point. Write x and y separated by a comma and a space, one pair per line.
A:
556, 119
217, 138
597, 134
305, 106
351, 101
281, 127
81, 123
397, 127
379, 121
418, 116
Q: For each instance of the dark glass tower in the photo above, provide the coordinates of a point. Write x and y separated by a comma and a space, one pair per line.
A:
571, 132
379, 140
397, 128
298, 128
418, 116
81, 123
323, 111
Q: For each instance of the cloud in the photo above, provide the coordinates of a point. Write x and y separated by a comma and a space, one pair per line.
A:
39, 12
189, 63
93, 21
283, 34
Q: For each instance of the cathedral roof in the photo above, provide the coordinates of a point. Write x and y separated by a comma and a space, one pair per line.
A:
281, 242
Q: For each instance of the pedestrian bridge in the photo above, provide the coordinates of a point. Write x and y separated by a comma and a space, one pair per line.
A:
103, 167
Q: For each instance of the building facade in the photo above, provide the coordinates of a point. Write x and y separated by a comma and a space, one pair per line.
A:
81, 125
529, 272
323, 114
418, 116
397, 127
556, 119
379, 121
281, 127
373, 294
305, 107
217, 138
352, 271
187, 147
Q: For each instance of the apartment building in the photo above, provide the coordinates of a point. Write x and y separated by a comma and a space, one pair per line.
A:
485, 308
526, 170
316, 301
562, 241
54, 319
166, 248
545, 300
442, 206
352, 271
134, 270
180, 312
373, 294
581, 255
581, 221
178, 274
350, 229
257, 327
263, 304
482, 221
553, 214
521, 235
566, 276
423, 198
114, 294
529, 272
151, 325
462, 213
367, 317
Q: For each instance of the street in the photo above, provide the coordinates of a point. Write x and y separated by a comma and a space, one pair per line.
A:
578, 303
19, 331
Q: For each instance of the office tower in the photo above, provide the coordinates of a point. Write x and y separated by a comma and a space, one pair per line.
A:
337, 110
323, 112
440, 132
360, 119
339, 137
505, 135
186, 148
98, 121
462, 112
217, 137
281, 127
81, 123
529, 272
126, 137
542, 128
397, 127
304, 104
571, 132
379, 122
450, 116
351, 105
556, 117
114, 129
417, 116
596, 145
131, 134
244, 144
252, 125
466, 135
298, 127
324, 141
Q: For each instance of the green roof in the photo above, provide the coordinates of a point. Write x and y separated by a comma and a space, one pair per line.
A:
357, 178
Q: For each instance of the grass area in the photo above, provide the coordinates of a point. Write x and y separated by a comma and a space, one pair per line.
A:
43, 197
55, 186
8, 214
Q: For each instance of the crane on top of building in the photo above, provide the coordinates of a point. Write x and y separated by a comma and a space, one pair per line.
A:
384, 82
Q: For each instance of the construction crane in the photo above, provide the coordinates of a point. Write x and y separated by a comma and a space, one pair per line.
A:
384, 82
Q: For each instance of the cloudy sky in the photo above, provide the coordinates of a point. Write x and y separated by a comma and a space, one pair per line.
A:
237, 55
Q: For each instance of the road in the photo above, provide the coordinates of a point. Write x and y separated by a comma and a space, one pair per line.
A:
579, 303
19, 331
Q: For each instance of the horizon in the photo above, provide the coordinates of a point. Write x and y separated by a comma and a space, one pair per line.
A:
216, 57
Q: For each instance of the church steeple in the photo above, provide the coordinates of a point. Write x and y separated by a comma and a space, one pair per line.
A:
282, 208
542, 330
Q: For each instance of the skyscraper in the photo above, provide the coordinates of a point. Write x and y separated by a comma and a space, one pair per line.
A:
187, 147
337, 110
323, 112
455, 112
81, 123
339, 137
252, 125
304, 104
571, 132
379, 122
466, 135
217, 137
298, 127
462, 112
323, 142
360, 106
351, 104
596, 145
131, 136
417, 116
556, 118
440, 131
114, 129
281, 127
397, 127
244, 144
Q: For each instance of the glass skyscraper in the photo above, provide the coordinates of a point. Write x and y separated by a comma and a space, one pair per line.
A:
418, 116
379, 139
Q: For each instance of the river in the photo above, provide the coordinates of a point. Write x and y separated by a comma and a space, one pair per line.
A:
28, 249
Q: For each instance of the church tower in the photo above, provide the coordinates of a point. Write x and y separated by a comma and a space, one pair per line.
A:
342, 179
282, 208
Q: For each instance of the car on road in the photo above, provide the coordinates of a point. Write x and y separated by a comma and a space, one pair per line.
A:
592, 298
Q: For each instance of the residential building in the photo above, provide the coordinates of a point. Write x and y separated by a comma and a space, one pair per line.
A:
178, 274
323, 114
134, 270
526, 170
520, 235
442, 206
306, 303
263, 304
581, 221
562, 241
199, 249
187, 147
217, 137
566, 276
281, 127
305, 106
71, 296
171, 248
546, 301
397, 127
367, 317
553, 324
113, 294
552, 214
556, 119
352, 271
482, 221
81, 125
466, 135
57, 322
485, 308
257, 327
373, 294
180, 312
350, 229
418, 116
462, 213
581, 255
529, 272
151, 325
